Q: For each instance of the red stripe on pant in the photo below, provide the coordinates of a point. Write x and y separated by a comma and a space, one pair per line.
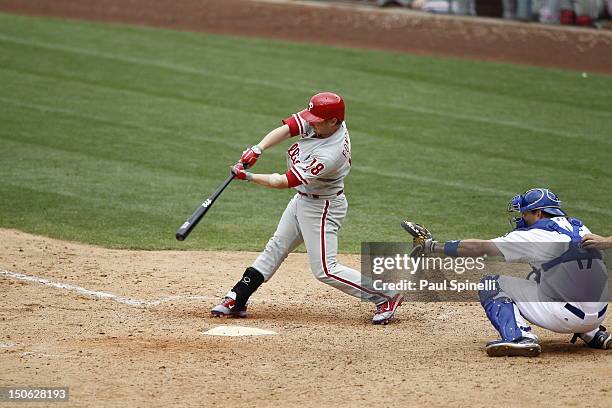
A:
324, 260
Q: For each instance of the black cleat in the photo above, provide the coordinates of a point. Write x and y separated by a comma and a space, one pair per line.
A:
602, 340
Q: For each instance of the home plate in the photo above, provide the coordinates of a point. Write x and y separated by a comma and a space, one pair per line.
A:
238, 331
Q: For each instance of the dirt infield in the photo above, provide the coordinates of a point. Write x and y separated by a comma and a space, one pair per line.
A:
145, 347
473, 38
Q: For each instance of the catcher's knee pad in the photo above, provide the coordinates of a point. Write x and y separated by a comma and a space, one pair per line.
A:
490, 282
251, 280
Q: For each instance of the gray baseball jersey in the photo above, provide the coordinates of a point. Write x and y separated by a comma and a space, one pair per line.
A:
317, 166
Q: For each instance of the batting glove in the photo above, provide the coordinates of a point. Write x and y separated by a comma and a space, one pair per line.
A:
238, 171
249, 156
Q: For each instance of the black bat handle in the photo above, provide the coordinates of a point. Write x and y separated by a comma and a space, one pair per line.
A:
195, 218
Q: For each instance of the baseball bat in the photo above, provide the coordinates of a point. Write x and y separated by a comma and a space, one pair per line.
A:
185, 229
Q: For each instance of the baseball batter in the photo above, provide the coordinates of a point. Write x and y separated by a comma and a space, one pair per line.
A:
317, 162
566, 293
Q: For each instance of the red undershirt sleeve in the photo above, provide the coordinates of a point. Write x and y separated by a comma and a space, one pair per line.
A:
294, 127
292, 179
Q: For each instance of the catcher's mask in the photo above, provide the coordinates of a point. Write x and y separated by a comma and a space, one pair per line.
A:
535, 199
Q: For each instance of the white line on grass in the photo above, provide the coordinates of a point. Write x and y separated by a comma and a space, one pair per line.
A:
292, 87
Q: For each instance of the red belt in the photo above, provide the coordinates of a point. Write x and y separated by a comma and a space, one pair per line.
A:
317, 196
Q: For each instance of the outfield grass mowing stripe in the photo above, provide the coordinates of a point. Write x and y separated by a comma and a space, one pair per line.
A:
396, 105
221, 140
109, 163
499, 122
236, 145
427, 147
114, 122
485, 154
65, 86
466, 186
124, 90
233, 48
161, 65
120, 168
332, 71
414, 177
140, 125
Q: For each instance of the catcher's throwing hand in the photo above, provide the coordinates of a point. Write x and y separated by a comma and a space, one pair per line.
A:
238, 171
249, 156
422, 240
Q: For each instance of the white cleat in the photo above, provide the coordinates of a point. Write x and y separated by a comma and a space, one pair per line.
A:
385, 312
523, 347
226, 308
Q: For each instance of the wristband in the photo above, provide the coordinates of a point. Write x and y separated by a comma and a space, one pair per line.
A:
249, 175
451, 247
258, 150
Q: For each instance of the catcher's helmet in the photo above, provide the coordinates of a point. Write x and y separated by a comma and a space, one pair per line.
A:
537, 199
324, 106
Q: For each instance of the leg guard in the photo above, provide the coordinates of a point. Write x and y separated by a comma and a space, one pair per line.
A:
251, 280
500, 310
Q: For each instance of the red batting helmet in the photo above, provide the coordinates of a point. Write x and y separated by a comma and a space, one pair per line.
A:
324, 106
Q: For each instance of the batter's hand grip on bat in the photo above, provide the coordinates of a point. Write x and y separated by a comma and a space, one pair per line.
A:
188, 226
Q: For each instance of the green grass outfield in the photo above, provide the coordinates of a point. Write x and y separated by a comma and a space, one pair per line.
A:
113, 135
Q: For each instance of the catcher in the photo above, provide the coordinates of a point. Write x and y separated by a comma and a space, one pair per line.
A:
550, 242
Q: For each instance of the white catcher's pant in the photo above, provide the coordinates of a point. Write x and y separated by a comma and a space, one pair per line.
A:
549, 315
316, 223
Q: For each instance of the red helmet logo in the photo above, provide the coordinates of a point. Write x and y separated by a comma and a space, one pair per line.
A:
324, 106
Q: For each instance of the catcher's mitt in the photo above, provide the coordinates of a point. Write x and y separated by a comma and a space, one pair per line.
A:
421, 238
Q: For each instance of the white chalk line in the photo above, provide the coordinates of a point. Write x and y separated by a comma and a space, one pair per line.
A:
134, 302
37, 354
7, 345
30, 353
100, 294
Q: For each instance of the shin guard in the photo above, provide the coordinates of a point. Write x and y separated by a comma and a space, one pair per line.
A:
500, 311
